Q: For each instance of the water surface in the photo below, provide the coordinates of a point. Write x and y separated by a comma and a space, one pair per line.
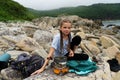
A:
114, 22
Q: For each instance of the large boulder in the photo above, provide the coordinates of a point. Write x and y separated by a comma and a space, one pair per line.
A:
43, 37
28, 44
11, 74
111, 51
107, 42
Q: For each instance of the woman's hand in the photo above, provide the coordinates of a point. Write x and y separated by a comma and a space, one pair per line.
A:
38, 71
46, 62
71, 53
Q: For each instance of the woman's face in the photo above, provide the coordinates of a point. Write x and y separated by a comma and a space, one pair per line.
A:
66, 28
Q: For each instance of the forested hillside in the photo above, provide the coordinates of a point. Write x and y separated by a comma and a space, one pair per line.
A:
10, 10
95, 11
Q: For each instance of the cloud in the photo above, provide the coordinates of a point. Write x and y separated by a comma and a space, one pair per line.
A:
54, 4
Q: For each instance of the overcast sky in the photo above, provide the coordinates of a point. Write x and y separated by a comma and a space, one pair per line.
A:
54, 4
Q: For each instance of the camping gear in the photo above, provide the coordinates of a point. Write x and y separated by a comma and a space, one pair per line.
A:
60, 66
27, 64
82, 67
5, 57
114, 65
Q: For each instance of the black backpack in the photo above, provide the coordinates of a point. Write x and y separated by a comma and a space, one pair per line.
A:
114, 65
27, 64
3, 65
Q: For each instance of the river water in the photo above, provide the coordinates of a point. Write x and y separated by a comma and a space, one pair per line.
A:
115, 22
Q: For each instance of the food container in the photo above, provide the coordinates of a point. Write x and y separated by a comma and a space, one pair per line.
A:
60, 66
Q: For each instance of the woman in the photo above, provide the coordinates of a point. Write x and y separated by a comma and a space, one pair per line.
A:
63, 45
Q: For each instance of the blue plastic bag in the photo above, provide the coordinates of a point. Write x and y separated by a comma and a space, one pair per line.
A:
5, 57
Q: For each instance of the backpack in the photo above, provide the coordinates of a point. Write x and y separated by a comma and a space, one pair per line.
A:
3, 65
114, 65
4, 59
27, 64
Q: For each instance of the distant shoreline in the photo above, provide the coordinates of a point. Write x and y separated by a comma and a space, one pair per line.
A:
108, 22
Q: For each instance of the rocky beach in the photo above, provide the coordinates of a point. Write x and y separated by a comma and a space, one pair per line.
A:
35, 36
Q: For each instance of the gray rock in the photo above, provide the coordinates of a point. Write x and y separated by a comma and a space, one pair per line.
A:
11, 74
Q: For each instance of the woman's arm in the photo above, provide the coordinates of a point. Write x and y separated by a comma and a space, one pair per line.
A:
49, 57
71, 53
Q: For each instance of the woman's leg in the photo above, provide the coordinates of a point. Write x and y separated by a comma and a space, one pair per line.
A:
77, 56
75, 42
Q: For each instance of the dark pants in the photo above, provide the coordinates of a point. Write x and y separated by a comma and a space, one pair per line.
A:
79, 56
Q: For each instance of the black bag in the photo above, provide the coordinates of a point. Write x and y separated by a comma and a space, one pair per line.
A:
3, 65
114, 66
27, 64
4, 60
